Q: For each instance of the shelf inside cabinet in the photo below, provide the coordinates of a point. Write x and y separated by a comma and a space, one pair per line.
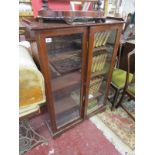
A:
65, 119
66, 81
68, 65
67, 110
65, 104
64, 55
101, 48
97, 74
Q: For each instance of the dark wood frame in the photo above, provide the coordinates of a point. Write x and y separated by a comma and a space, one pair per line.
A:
39, 31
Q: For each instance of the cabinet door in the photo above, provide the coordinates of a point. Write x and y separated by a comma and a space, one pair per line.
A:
66, 54
103, 45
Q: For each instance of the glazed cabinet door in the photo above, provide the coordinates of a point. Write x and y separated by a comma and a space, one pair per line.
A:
103, 45
65, 53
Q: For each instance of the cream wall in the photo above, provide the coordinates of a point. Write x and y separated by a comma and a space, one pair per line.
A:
127, 6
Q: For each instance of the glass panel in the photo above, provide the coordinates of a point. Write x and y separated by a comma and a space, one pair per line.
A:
101, 60
65, 58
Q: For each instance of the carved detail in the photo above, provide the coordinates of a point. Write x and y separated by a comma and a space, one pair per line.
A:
99, 5
45, 4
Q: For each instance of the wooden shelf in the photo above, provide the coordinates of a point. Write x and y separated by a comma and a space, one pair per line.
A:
66, 81
64, 55
96, 49
66, 110
66, 119
65, 66
64, 105
97, 74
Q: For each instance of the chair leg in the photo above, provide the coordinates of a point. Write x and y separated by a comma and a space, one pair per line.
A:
120, 101
115, 99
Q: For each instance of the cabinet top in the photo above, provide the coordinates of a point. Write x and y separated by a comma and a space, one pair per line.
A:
35, 25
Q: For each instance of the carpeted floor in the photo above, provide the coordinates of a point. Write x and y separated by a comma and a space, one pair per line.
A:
88, 138
84, 139
120, 123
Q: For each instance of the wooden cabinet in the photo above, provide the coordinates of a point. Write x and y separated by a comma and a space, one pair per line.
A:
77, 63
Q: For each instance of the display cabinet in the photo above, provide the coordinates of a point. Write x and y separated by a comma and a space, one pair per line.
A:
77, 63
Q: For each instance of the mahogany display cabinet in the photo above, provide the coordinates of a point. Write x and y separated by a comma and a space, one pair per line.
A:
77, 63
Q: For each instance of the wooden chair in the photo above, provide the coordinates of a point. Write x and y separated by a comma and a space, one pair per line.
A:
129, 88
118, 83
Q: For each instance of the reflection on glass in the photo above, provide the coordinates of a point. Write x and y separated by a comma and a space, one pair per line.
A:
101, 60
64, 55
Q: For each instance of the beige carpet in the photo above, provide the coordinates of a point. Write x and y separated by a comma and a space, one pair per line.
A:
120, 123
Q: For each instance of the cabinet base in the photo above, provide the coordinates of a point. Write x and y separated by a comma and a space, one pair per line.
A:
63, 129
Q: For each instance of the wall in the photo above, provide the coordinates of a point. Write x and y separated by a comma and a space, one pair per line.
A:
127, 6
53, 4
